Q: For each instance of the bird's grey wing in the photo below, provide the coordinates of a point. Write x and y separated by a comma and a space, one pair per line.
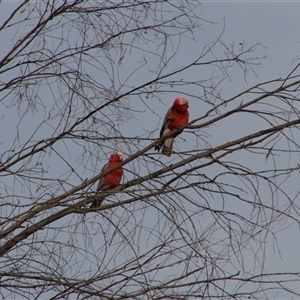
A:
100, 186
163, 128
101, 180
165, 122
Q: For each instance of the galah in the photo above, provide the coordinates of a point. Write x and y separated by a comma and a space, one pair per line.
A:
110, 180
177, 116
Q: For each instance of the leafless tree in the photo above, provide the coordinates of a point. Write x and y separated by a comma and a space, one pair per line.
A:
80, 79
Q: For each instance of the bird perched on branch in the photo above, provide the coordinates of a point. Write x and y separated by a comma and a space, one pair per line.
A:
110, 180
177, 116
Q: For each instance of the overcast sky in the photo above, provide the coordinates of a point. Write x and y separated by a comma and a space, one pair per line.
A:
275, 27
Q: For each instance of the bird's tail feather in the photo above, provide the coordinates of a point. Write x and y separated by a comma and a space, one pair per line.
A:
167, 147
97, 202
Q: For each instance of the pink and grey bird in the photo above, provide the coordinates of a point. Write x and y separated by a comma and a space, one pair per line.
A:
177, 116
110, 180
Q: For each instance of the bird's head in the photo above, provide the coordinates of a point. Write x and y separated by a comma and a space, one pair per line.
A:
181, 104
116, 156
